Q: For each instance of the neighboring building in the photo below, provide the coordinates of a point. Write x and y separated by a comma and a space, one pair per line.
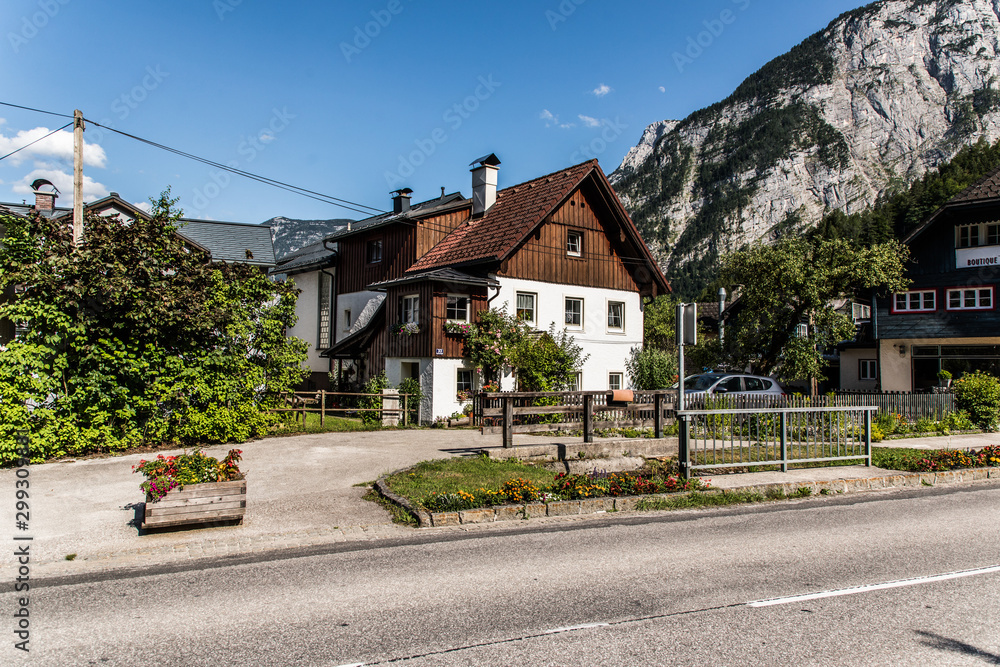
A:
948, 317
230, 242
313, 270
559, 249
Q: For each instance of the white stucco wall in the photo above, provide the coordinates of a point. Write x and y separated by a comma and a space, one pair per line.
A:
307, 327
445, 386
608, 350
850, 370
355, 302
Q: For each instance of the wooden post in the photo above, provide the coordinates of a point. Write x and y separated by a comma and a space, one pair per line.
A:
588, 418
406, 413
78, 177
322, 407
508, 421
658, 415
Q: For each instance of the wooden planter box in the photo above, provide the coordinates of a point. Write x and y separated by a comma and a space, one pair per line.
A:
198, 503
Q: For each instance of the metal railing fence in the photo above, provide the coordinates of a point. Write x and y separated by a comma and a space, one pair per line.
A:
778, 436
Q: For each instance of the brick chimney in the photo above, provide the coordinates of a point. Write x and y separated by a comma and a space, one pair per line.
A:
45, 200
401, 200
484, 183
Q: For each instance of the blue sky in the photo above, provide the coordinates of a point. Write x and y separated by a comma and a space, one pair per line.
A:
355, 99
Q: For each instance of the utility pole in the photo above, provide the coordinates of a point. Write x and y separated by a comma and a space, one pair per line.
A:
78, 176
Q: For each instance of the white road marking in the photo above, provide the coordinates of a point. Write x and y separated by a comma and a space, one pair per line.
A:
875, 587
582, 626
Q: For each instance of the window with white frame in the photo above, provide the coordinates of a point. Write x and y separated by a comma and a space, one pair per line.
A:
867, 369
325, 311
977, 298
574, 243
457, 308
574, 312
410, 309
526, 307
615, 381
915, 301
861, 312
973, 236
576, 382
616, 315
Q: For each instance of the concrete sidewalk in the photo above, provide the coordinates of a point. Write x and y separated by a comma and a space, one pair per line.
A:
300, 492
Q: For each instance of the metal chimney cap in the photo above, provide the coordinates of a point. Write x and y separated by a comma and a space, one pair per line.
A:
490, 160
39, 183
722, 292
402, 191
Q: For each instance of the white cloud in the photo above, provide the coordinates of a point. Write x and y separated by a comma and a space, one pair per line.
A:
588, 121
58, 146
662, 89
551, 119
266, 137
142, 206
602, 90
92, 190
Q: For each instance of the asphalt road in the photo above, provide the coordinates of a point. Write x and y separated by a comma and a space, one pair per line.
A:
661, 589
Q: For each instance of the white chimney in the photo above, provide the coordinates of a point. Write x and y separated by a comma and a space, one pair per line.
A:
484, 183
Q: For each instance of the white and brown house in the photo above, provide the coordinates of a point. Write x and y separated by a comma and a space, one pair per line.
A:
559, 249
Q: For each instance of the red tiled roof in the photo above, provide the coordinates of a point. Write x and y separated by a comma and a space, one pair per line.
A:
517, 211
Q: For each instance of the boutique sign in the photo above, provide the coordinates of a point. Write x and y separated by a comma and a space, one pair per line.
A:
970, 258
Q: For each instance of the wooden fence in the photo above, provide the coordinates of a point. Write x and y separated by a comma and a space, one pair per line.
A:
299, 403
507, 413
538, 412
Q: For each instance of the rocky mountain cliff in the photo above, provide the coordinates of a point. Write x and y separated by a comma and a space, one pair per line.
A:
289, 234
866, 105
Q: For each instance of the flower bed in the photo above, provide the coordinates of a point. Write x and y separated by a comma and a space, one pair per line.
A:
940, 460
565, 487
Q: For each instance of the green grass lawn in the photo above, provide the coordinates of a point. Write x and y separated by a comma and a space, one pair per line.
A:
463, 474
331, 425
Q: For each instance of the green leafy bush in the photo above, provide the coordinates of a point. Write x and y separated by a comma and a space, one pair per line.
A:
134, 337
376, 385
978, 394
411, 386
651, 368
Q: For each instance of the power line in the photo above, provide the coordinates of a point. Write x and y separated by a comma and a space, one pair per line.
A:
51, 113
318, 196
35, 141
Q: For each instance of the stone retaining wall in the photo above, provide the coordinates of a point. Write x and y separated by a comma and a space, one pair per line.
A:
628, 503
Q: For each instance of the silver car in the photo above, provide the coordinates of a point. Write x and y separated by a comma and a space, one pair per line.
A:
731, 384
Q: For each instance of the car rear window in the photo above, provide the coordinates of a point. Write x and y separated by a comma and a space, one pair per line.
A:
755, 384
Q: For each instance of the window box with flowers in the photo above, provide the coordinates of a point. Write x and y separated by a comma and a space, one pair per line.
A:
193, 489
458, 328
404, 329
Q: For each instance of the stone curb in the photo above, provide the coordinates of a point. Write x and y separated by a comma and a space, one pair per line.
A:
629, 503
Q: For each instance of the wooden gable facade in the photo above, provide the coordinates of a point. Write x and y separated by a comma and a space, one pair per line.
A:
605, 258
401, 243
